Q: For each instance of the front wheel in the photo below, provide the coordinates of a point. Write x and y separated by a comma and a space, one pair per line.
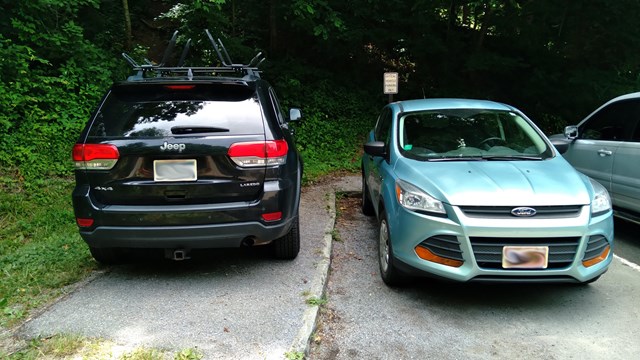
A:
288, 246
388, 271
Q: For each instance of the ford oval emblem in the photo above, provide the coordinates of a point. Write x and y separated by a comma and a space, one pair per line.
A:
523, 211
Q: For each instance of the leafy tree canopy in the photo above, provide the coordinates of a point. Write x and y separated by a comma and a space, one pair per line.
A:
556, 60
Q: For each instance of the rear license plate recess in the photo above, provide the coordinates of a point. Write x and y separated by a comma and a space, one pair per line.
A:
175, 170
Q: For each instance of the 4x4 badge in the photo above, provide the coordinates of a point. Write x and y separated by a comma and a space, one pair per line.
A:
167, 146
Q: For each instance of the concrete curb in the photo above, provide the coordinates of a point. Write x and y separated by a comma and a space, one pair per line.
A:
302, 341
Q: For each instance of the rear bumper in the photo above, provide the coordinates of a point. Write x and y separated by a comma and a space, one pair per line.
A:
188, 226
184, 237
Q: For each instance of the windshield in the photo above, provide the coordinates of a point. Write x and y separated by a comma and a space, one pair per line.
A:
463, 134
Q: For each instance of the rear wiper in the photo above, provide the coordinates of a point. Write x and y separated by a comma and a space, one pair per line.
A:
511, 157
196, 129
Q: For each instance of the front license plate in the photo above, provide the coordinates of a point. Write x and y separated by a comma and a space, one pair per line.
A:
175, 170
525, 257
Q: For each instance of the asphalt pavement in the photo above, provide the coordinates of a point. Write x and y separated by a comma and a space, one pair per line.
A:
427, 319
228, 304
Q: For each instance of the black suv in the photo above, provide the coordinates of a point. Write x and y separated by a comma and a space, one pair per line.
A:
179, 158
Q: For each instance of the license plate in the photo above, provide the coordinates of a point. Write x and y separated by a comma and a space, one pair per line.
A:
175, 170
525, 257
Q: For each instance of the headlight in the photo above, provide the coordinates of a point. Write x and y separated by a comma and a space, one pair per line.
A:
412, 198
601, 202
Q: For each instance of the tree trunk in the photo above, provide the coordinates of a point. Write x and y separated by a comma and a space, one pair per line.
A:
453, 14
484, 28
273, 30
127, 23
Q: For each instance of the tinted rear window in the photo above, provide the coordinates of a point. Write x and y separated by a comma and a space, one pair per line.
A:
152, 111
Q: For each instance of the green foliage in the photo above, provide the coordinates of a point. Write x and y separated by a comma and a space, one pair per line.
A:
40, 250
333, 129
52, 78
294, 355
336, 119
314, 301
189, 354
69, 346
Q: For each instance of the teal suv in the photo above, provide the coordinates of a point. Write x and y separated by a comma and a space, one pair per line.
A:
472, 190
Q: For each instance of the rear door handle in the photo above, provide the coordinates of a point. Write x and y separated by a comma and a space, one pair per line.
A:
604, 153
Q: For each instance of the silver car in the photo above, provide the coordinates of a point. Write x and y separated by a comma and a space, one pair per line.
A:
606, 147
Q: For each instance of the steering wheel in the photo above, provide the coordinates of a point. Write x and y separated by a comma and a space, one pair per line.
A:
491, 142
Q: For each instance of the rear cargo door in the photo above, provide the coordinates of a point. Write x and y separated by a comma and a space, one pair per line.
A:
173, 144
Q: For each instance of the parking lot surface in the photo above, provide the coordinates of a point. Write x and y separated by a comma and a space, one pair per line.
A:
229, 304
427, 319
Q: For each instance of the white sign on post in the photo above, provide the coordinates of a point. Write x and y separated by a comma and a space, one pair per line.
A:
390, 83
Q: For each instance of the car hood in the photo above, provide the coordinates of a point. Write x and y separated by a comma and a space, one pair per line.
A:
498, 183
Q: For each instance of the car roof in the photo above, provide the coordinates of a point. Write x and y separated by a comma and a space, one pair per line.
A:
450, 103
634, 95
624, 97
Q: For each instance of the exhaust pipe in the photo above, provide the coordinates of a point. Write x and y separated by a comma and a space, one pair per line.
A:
248, 242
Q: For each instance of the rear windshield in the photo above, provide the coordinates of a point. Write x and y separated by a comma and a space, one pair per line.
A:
155, 111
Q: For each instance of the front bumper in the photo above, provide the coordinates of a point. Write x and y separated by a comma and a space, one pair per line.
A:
408, 229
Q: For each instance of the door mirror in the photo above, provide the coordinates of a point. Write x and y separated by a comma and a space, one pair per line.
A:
571, 132
295, 114
375, 148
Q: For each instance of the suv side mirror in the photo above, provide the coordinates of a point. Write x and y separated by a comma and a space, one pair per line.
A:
571, 132
375, 148
295, 114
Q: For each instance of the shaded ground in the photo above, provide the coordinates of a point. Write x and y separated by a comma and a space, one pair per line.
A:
365, 319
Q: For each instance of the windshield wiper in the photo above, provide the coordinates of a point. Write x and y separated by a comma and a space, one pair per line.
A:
456, 158
196, 129
511, 157
485, 158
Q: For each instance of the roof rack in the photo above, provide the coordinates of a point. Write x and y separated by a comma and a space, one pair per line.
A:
162, 70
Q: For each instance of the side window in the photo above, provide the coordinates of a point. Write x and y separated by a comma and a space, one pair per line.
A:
276, 106
614, 122
384, 126
636, 135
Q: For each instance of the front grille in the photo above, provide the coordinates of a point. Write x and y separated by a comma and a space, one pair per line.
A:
595, 246
488, 251
542, 212
446, 246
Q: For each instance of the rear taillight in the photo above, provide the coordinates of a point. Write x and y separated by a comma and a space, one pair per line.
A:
95, 156
259, 153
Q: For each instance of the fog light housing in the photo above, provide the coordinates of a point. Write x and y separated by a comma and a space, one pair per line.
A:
600, 258
426, 254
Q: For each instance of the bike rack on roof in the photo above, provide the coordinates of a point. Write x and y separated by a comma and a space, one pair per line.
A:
228, 66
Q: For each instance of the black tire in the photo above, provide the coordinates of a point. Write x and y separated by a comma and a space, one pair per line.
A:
288, 246
106, 256
388, 271
366, 204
